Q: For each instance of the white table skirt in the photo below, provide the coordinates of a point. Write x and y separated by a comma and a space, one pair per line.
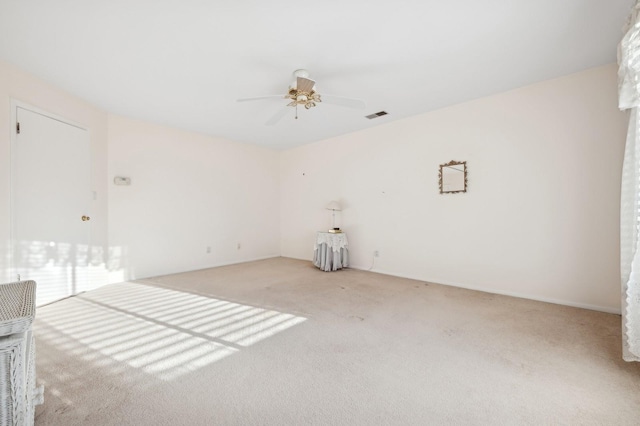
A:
330, 251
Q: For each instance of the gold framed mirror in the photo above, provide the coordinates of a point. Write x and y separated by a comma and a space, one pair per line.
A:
453, 177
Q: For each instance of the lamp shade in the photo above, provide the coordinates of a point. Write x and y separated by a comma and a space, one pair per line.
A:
334, 205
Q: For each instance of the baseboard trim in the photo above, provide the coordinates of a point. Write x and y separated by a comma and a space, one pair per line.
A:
253, 259
215, 265
299, 258
572, 304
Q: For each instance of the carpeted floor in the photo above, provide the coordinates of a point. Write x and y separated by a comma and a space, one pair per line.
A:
278, 342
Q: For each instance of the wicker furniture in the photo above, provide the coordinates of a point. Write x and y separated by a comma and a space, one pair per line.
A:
18, 392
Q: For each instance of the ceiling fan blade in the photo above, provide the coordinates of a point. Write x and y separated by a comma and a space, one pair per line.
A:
277, 116
259, 98
305, 84
345, 102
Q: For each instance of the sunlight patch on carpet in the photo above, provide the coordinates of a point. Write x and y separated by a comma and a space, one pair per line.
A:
162, 332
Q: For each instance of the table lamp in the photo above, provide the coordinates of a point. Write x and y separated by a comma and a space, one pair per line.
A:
334, 206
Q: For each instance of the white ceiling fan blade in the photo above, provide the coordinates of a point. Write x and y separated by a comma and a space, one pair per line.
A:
345, 102
259, 98
277, 116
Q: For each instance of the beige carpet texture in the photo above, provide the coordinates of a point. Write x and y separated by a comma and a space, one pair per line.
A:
279, 342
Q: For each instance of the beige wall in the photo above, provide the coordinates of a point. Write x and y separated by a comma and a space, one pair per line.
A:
188, 192
20, 86
540, 220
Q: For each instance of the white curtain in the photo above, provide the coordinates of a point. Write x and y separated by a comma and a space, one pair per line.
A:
629, 98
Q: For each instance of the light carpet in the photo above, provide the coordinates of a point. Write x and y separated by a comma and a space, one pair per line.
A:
279, 342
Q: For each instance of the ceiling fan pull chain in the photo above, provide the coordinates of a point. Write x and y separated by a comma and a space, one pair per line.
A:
296, 111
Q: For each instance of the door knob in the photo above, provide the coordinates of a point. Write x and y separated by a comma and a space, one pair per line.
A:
85, 218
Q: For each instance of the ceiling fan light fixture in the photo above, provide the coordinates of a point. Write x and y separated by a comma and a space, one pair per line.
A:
302, 91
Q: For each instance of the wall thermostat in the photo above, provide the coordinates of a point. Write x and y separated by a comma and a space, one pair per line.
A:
122, 180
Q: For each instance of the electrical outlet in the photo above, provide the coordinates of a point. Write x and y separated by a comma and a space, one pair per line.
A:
208, 249
376, 253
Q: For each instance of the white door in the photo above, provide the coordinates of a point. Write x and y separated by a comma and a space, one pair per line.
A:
50, 194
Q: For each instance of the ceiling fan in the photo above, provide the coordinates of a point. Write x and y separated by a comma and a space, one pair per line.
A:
302, 91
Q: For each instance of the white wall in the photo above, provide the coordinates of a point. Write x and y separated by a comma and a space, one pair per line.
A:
540, 219
188, 192
18, 85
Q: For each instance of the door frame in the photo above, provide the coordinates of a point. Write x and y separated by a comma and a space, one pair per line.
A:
15, 104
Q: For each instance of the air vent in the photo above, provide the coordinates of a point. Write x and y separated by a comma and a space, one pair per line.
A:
376, 115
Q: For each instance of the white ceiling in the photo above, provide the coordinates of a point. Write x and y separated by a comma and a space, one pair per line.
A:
184, 63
